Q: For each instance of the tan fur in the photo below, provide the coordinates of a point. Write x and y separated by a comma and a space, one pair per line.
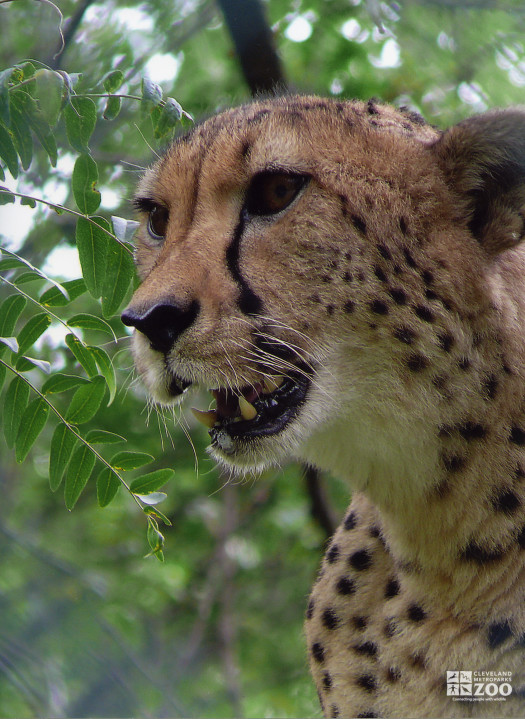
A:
398, 276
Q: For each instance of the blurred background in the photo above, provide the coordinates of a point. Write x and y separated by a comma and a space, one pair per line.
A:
88, 626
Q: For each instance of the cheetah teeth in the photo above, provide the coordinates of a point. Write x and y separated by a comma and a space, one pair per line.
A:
207, 418
248, 411
270, 384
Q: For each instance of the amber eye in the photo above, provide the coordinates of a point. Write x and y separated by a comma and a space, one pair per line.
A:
271, 192
158, 221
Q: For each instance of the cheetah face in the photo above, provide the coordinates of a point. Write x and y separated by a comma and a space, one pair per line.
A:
288, 267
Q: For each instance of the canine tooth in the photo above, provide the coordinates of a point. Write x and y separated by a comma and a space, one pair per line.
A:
207, 418
270, 384
248, 411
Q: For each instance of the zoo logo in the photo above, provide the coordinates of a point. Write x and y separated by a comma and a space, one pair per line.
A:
478, 686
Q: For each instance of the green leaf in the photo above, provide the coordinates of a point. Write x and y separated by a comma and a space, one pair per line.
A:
49, 90
62, 383
119, 275
151, 93
112, 109
32, 330
91, 322
101, 436
15, 403
124, 461
62, 446
154, 512
3, 373
85, 177
6, 197
41, 128
93, 243
10, 342
27, 277
152, 481
29, 201
8, 151
53, 297
86, 401
80, 116
5, 77
108, 485
80, 467
155, 539
168, 118
113, 80
21, 133
33, 422
24, 364
152, 497
83, 354
106, 369
10, 311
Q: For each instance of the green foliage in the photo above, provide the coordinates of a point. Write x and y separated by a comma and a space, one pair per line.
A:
33, 99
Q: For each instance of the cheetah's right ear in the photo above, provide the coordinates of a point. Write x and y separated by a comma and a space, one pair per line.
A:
483, 158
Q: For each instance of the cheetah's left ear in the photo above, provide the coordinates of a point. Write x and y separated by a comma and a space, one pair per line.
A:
483, 158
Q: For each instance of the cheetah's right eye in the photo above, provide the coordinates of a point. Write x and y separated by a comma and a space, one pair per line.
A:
158, 222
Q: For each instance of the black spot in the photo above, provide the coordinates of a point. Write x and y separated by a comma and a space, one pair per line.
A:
398, 295
348, 256
327, 681
403, 225
367, 715
464, 363
418, 660
490, 386
374, 532
350, 521
506, 502
408, 257
474, 553
390, 628
368, 649
348, 306
452, 462
424, 313
344, 204
359, 224
371, 108
393, 674
317, 650
428, 277
392, 589
245, 149
347, 277
310, 609
360, 623
330, 309
333, 554
417, 362
416, 613
345, 586
314, 298
517, 435
472, 430
378, 272
498, 632
360, 560
334, 711
330, 619
367, 682
258, 116
404, 334
379, 307
521, 538
431, 295
326, 278
446, 341
384, 252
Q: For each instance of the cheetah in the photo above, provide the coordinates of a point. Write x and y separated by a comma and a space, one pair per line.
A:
348, 281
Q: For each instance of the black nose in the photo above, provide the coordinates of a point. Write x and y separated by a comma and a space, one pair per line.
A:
163, 323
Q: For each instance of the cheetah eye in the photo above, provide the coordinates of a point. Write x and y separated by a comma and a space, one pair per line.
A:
158, 222
271, 192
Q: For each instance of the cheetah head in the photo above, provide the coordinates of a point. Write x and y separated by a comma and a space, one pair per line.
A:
314, 264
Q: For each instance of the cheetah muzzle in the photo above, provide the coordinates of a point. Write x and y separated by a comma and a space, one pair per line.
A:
348, 283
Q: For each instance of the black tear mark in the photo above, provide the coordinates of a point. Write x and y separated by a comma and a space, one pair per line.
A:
498, 632
249, 302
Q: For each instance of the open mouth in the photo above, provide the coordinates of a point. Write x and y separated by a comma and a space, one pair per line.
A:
257, 410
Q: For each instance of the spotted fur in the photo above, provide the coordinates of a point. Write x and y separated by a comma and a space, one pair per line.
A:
396, 278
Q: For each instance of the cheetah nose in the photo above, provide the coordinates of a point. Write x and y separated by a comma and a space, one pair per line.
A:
163, 323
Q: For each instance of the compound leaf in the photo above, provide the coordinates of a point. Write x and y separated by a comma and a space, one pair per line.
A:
62, 446
78, 471
32, 423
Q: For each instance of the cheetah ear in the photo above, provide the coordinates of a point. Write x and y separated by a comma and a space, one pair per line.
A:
483, 158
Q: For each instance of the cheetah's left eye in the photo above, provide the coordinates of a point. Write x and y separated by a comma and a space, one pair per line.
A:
158, 221
271, 192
